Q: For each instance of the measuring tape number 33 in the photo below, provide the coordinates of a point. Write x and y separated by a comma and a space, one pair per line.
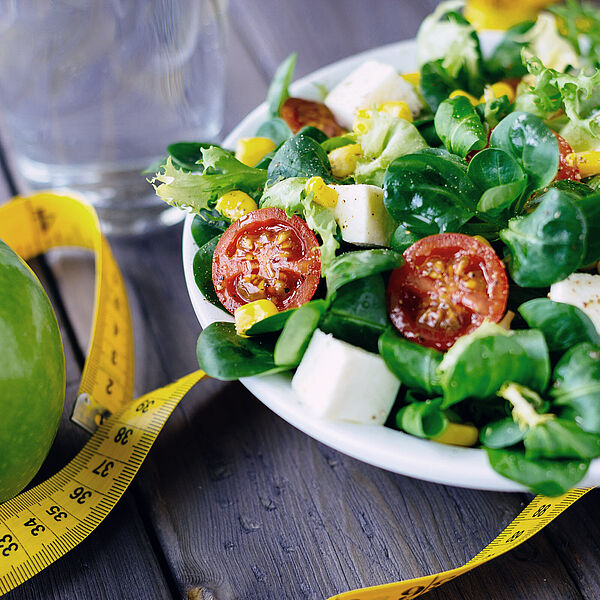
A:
45, 522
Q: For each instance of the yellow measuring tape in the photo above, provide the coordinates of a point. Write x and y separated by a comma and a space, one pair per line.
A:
44, 523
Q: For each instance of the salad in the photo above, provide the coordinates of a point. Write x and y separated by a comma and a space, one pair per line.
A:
420, 250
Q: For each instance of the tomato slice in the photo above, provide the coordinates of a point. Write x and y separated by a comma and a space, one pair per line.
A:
448, 285
565, 171
266, 255
299, 113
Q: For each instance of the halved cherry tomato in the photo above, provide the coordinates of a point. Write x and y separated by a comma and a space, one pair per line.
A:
565, 171
448, 285
299, 113
266, 255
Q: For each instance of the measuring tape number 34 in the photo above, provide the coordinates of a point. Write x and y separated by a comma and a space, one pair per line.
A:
45, 522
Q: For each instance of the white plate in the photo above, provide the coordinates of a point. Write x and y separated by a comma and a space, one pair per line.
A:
379, 446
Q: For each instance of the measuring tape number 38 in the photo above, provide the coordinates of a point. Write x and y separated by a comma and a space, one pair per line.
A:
45, 522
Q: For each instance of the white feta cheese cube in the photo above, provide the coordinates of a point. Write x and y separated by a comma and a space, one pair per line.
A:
338, 381
371, 84
362, 216
581, 290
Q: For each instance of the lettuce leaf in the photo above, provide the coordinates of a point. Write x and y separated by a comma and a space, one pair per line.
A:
579, 24
544, 40
578, 95
446, 35
383, 138
222, 173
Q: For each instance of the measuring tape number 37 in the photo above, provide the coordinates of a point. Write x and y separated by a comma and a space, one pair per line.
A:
45, 522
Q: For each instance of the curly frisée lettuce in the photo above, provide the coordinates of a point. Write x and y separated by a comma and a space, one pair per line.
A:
222, 173
577, 95
446, 35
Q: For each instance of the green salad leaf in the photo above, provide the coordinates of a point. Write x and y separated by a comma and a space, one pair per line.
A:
547, 245
449, 54
188, 155
505, 61
276, 129
541, 476
481, 362
225, 355
299, 156
577, 385
415, 365
429, 192
424, 419
278, 91
206, 224
202, 268
501, 434
358, 313
459, 127
383, 138
297, 331
563, 325
351, 266
526, 138
499, 177
196, 191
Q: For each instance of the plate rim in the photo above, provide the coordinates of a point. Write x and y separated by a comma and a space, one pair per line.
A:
404, 454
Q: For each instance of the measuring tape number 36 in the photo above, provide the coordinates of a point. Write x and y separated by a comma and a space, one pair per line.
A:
45, 522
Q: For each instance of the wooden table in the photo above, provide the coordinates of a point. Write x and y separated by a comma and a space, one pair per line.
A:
234, 503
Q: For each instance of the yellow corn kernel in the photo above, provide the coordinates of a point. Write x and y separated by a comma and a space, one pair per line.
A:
481, 239
471, 98
497, 90
414, 78
457, 434
251, 313
322, 193
235, 204
398, 109
250, 150
587, 162
361, 119
343, 160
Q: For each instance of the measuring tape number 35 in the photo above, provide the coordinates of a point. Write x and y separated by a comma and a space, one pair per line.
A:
45, 522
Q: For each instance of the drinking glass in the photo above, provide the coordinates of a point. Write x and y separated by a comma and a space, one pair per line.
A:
92, 92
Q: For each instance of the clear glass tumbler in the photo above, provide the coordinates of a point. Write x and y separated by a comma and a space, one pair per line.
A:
92, 92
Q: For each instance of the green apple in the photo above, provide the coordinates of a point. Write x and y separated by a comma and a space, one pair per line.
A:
32, 374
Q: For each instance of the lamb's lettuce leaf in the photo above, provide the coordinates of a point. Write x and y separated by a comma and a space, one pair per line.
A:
278, 91
459, 127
